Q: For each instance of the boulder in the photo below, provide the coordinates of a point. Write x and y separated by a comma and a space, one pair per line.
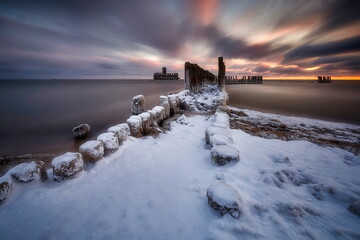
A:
122, 131
160, 114
67, 165
214, 130
29, 171
354, 207
5, 189
138, 104
152, 117
220, 139
110, 141
92, 151
146, 121
224, 199
221, 120
223, 154
174, 103
81, 131
135, 125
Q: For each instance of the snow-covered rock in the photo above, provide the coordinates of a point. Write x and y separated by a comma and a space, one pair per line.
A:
5, 189
174, 103
138, 104
221, 120
135, 125
152, 116
110, 141
121, 130
210, 131
164, 102
223, 154
160, 114
220, 139
81, 131
224, 199
67, 165
146, 121
29, 172
354, 207
92, 151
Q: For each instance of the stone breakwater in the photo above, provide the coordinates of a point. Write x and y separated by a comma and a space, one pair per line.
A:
146, 122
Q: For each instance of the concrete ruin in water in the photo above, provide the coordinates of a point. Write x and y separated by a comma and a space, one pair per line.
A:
166, 76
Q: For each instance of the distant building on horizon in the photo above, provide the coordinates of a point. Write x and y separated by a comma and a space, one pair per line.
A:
166, 76
323, 79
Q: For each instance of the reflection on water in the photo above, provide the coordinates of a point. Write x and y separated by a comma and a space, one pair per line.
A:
37, 116
338, 101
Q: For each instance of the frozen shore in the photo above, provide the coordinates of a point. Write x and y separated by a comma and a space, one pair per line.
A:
156, 187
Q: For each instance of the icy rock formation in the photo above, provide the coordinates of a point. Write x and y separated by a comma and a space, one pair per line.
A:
92, 151
81, 131
5, 189
174, 103
221, 120
210, 131
110, 141
146, 121
138, 104
135, 125
223, 154
220, 139
29, 172
224, 199
122, 131
160, 114
67, 165
165, 104
354, 207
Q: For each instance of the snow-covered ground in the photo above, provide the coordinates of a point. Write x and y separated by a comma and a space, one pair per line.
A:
155, 188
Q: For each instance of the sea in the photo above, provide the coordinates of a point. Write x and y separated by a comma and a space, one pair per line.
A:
37, 116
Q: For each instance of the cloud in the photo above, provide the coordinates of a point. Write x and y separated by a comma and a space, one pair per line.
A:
331, 48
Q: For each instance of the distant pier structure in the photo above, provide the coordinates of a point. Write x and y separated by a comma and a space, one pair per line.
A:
244, 80
166, 76
324, 79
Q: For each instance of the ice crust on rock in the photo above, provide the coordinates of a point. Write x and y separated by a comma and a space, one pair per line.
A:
224, 199
146, 121
138, 104
160, 113
67, 165
110, 141
121, 130
81, 131
5, 188
135, 125
220, 139
210, 131
92, 151
29, 172
223, 154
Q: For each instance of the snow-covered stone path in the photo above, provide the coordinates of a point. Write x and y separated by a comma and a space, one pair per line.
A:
155, 188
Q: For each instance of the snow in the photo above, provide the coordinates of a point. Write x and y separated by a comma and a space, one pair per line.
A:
155, 188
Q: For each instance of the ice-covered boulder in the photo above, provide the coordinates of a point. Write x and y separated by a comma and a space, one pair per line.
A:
92, 151
122, 131
28, 172
224, 199
67, 165
5, 189
160, 114
223, 154
220, 139
174, 103
152, 116
81, 131
146, 121
135, 125
210, 131
221, 120
110, 141
354, 207
165, 104
138, 104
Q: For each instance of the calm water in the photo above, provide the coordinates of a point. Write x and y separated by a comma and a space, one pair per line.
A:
338, 101
37, 116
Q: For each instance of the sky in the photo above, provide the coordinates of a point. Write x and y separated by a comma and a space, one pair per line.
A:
66, 39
